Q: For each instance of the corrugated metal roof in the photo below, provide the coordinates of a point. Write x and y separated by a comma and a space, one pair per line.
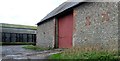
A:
13, 30
4, 25
63, 7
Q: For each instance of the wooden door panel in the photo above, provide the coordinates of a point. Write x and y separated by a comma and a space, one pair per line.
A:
65, 30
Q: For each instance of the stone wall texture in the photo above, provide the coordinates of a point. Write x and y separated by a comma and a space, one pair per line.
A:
45, 34
119, 25
96, 25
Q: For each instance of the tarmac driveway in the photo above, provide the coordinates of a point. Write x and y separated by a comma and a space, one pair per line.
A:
17, 52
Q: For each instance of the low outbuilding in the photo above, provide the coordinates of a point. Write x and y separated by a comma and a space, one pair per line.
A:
81, 24
17, 33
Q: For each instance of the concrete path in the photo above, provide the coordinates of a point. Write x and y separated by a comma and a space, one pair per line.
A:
17, 52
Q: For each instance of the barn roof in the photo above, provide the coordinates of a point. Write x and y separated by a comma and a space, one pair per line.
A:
5, 25
60, 9
68, 5
13, 28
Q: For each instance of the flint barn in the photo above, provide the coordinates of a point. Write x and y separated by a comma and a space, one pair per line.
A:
17, 33
80, 24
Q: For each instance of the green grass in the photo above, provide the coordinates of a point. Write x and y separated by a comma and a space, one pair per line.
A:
31, 47
85, 55
0, 43
17, 43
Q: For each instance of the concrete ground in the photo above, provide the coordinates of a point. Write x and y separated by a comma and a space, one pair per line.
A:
17, 52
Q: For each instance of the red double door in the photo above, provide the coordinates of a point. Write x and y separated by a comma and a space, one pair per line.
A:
65, 31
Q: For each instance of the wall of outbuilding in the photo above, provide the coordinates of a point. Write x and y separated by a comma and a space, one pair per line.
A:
45, 34
0, 36
0, 33
119, 25
96, 26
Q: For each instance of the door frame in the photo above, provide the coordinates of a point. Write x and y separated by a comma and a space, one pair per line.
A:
56, 34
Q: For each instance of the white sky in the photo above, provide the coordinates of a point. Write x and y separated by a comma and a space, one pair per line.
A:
26, 12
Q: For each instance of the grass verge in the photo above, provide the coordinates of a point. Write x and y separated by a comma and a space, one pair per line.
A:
17, 43
85, 55
31, 47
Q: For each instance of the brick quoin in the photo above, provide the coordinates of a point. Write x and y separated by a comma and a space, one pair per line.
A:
105, 17
88, 22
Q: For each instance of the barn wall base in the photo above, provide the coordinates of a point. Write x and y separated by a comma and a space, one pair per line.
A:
45, 34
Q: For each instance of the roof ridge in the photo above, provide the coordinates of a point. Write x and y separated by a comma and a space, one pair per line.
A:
61, 8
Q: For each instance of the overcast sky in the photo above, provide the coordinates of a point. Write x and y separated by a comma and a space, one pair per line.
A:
26, 12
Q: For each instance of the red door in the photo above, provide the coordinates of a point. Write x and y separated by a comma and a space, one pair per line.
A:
65, 30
